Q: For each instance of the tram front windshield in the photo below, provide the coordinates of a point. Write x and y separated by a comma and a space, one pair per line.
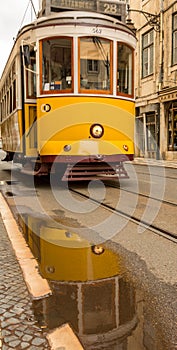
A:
94, 66
56, 62
95, 55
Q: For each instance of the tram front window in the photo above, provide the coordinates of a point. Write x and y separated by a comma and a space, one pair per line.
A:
125, 70
56, 64
95, 64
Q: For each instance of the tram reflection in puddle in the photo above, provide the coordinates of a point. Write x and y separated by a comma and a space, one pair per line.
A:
88, 288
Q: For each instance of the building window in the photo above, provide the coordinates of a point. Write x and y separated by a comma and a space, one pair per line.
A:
174, 39
147, 53
172, 128
92, 66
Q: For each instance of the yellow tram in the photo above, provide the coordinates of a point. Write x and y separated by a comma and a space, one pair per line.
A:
67, 96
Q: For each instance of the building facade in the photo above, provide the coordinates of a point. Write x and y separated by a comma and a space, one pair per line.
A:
156, 77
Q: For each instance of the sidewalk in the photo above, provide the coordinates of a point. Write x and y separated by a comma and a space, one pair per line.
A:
156, 162
17, 322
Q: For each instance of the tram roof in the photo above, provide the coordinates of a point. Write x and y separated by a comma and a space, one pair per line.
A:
79, 17
73, 17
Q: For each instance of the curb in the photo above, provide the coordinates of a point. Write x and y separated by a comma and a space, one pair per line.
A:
38, 287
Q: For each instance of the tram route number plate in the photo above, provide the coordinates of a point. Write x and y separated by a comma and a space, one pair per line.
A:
108, 7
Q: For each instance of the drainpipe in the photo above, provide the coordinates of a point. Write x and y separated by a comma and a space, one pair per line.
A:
161, 47
162, 127
160, 116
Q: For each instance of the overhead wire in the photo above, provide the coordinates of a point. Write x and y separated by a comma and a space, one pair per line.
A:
100, 47
32, 4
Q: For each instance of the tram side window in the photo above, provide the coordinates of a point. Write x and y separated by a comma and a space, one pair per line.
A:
0, 107
57, 64
14, 95
8, 93
124, 70
95, 64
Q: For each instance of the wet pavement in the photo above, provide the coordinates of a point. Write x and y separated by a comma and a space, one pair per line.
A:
93, 292
105, 306
106, 312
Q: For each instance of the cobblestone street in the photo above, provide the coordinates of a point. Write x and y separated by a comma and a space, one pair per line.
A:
18, 326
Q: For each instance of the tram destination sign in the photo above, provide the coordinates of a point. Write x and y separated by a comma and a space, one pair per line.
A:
111, 7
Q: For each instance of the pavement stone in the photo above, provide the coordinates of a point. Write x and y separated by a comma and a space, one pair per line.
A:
18, 327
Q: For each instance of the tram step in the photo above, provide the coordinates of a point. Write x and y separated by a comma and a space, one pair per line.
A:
92, 172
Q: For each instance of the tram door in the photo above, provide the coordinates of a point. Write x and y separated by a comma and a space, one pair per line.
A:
29, 109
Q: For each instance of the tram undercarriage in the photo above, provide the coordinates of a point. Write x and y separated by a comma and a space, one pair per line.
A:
89, 168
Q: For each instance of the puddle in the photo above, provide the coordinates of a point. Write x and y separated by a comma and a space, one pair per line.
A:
90, 291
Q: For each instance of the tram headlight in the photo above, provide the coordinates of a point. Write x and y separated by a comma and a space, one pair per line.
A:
125, 147
97, 249
50, 269
96, 130
67, 148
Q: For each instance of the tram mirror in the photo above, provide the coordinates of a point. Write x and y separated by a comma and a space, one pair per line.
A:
26, 51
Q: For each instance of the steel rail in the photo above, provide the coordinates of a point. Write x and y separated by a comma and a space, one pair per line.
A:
154, 166
161, 232
142, 195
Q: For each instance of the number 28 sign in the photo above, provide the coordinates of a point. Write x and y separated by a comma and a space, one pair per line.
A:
110, 7
114, 7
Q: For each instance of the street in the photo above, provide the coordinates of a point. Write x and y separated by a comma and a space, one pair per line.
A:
134, 215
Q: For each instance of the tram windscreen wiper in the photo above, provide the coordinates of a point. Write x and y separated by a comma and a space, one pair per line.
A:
104, 55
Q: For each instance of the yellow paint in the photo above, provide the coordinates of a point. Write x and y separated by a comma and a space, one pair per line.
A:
86, 147
57, 102
69, 121
71, 258
31, 150
20, 128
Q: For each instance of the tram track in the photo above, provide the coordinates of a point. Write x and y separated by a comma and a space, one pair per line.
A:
138, 221
156, 175
142, 195
142, 223
152, 174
